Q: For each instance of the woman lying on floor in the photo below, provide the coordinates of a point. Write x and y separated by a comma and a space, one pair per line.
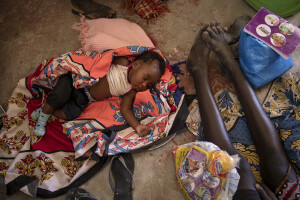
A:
277, 174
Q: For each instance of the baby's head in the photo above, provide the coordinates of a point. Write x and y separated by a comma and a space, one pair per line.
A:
146, 71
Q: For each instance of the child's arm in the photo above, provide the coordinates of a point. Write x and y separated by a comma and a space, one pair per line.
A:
127, 113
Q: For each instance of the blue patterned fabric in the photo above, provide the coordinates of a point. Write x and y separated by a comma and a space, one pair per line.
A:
281, 105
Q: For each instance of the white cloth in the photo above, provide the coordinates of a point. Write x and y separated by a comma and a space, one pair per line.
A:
117, 80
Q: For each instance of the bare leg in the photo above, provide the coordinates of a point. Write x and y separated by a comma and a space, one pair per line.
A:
47, 109
272, 156
60, 114
213, 127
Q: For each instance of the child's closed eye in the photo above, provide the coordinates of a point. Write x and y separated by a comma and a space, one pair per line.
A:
146, 77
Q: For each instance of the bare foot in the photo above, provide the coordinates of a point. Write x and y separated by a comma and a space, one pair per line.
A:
233, 33
215, 39
199, 53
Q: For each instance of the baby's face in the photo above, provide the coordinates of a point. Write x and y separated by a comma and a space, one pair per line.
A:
144, 75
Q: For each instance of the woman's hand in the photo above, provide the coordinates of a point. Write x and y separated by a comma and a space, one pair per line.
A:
142, 130
264, 192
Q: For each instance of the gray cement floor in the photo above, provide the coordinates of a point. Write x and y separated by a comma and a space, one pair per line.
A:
33, 30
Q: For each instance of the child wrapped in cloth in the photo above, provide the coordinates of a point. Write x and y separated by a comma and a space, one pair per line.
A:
85, 78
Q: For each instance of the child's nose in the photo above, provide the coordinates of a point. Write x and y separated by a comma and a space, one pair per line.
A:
146, 85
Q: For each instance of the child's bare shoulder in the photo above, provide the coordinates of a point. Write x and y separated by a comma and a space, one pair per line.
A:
121, 60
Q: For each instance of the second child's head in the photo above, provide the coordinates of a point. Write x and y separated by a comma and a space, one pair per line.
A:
146, 71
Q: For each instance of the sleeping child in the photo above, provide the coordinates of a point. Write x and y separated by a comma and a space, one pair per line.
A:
123, 78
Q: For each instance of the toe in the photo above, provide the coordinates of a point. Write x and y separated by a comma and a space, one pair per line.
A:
214, 29
205, 36
220, 30
204, 27
212, 24
211, 32
225, 29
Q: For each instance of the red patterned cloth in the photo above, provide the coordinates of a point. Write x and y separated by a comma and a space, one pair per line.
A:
147, 9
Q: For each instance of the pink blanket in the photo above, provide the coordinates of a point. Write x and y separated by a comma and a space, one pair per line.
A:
101, 34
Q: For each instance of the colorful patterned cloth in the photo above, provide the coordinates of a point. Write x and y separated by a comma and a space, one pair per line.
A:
50, 165
282, 105
147, 9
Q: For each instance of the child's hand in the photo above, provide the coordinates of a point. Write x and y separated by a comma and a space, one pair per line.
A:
142, 130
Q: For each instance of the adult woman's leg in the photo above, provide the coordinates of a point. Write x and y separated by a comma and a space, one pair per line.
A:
273, 159
213, 126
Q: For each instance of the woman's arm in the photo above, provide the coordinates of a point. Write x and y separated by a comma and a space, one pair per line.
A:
128, 115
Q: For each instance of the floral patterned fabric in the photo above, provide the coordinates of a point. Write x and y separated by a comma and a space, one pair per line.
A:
93, 127
71, 152
282, 105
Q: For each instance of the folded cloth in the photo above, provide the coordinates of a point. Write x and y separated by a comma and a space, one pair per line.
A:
101, 34
147, 9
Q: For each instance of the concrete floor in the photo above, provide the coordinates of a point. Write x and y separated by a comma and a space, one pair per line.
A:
33, 30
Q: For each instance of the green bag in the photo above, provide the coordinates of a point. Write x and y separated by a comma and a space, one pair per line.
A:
283, 8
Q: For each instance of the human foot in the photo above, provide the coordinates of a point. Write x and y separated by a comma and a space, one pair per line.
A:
215, 39
199, 53
233, 33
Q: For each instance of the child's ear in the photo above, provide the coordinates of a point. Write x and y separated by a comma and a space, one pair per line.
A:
136, 64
